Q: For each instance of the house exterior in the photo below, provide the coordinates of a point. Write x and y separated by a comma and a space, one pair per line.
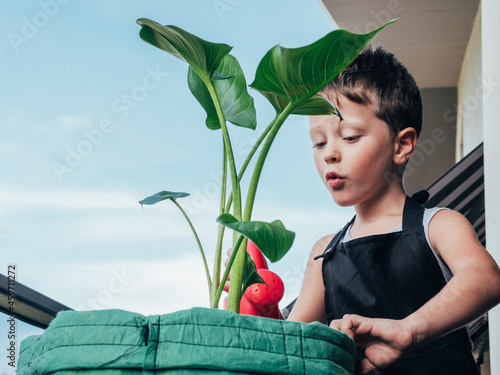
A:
451, 48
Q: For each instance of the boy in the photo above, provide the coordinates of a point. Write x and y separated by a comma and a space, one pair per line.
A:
400, 280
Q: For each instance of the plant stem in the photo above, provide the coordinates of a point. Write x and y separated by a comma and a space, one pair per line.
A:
252, 191
207, 272
223, 179
235, 284
229, 152
239, 264
215, 302
234, 293
218, 263
220, 233
249, 158
232, 301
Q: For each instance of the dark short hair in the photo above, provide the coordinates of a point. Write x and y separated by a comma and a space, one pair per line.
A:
377, 79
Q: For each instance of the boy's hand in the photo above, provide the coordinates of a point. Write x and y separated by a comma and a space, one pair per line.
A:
226, 285
383, 340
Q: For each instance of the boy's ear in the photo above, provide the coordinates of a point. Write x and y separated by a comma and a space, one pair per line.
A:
404, 145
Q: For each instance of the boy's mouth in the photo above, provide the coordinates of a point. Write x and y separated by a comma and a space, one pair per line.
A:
334, 180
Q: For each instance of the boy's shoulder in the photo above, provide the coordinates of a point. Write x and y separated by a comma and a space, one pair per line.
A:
449, 232
447, 219
321, 245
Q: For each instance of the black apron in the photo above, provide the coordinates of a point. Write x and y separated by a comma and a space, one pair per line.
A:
391, 276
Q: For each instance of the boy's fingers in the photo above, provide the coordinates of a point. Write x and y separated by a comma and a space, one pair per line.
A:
364, 367
343, 325
335, 324
355, 324
229, 252
226, 284
352, 325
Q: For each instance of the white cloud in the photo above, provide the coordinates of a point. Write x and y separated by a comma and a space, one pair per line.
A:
63, 198
69, 122
89, 216
105, 221
143, 286
7, 147
77, 217
48, 130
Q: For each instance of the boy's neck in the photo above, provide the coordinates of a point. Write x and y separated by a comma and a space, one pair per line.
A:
379, 215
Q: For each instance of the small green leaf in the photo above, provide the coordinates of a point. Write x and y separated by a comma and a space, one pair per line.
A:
296, 74
163, 195
203, 56
237, 105
250, 275
273, 239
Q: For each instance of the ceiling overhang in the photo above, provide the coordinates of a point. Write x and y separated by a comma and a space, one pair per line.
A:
430, 38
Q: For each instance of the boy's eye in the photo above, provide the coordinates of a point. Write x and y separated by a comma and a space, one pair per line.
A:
351, 139
319, 144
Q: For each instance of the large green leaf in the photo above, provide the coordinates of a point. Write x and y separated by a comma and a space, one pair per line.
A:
209, 65
273, 239
231, 88
315, 105
293, 75
203, 56
163, 195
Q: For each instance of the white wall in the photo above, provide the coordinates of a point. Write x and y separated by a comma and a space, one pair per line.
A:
435, 152
470, 108
490, 31
478, 114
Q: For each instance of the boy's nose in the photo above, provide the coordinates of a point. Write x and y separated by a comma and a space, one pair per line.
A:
332, 154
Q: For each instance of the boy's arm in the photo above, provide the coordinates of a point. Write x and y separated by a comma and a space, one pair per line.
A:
310, 305
472, 291
474, 288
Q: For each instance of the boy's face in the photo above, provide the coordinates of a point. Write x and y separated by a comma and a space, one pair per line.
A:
354, 157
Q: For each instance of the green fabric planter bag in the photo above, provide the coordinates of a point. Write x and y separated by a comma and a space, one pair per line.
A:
195, 341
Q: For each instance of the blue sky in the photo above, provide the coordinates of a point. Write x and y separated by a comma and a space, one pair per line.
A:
94, 120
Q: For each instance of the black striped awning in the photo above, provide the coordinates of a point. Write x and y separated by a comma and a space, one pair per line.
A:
461, 188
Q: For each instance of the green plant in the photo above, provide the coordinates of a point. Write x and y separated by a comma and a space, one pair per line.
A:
290, 79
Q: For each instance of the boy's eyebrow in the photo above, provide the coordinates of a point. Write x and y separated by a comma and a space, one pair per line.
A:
313, 130
350, 125
317, 129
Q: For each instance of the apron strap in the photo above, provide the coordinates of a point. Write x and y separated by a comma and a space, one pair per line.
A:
335, 240
413, 214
